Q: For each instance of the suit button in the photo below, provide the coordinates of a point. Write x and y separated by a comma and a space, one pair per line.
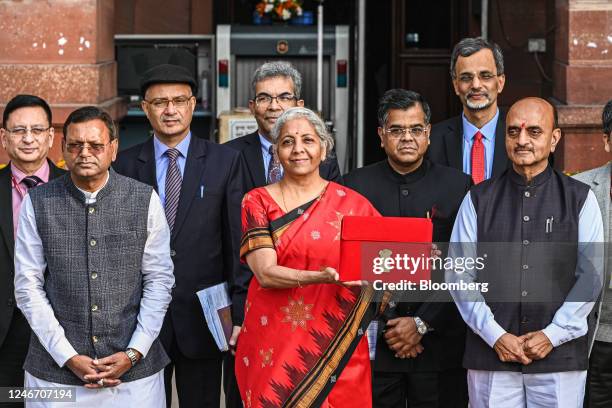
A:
94, 339
525, 267
93, 242
92, 210
405, 192
94, 308
524, 293
524, 319
525, 242
172, 252
94, 275
527, 194
526, 218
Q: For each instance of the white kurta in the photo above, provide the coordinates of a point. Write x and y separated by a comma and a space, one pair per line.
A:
158, 279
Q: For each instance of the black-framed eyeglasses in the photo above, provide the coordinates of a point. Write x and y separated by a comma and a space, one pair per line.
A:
399, 132
35, 131
94, 148
284, 99
162, 103
483, 76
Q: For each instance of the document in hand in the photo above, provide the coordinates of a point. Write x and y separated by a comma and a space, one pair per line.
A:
390, 249
216, 306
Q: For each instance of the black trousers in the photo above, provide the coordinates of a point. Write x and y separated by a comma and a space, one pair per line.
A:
13, 353
599, 377
198, 381
446, 389
230, 386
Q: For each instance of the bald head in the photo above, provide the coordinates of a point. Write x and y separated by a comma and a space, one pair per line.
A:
531, 134
537, 106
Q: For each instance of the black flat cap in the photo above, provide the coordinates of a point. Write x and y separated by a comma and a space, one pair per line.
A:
167, 74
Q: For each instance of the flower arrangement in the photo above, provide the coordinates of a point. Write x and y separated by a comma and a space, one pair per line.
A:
279, 10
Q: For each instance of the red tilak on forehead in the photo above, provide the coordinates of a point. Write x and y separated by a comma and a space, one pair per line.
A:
522, 125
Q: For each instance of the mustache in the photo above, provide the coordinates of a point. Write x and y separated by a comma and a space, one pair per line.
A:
523, 149
471, 94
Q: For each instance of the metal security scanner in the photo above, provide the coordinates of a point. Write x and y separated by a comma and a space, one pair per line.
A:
241, 49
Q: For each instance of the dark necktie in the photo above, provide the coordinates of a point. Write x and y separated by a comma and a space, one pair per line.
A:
274, 168
173, 186
478, 159
31, 181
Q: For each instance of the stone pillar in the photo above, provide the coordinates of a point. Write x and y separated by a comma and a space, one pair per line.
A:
582, 79
62, 51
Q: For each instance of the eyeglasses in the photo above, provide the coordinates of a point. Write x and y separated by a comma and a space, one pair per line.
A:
399, 132
94, 148
162, 103
484, 76
22, 131
282, 99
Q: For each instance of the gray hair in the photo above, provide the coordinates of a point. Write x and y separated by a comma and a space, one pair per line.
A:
606, 118
273, 69
317, 123
469, 46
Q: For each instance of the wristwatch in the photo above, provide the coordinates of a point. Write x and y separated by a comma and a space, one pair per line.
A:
421, 326
132, 356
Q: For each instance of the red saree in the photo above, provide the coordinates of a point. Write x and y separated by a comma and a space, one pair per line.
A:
304, 347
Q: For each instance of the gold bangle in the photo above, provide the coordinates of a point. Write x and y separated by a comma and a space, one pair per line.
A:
298, 278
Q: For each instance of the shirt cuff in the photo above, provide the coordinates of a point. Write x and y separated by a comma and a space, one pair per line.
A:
492, 332
556, 334
140, 342
63, 352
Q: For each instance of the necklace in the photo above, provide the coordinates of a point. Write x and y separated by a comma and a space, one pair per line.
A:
280, 186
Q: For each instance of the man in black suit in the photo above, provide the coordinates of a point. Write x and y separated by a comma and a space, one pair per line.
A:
276, 86
419, 354
474, 141
27, 136
200, 184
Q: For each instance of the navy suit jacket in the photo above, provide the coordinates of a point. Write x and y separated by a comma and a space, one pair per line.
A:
206, 237
446, 147
7, 247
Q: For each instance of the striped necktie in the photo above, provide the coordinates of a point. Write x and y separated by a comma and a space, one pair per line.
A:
31, 181
173, 186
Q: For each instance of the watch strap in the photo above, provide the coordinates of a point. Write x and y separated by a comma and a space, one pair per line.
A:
132, 356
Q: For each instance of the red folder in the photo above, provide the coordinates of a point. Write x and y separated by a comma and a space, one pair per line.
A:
365, 238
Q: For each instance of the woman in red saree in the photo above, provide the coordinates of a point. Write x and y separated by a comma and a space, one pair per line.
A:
302, 343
